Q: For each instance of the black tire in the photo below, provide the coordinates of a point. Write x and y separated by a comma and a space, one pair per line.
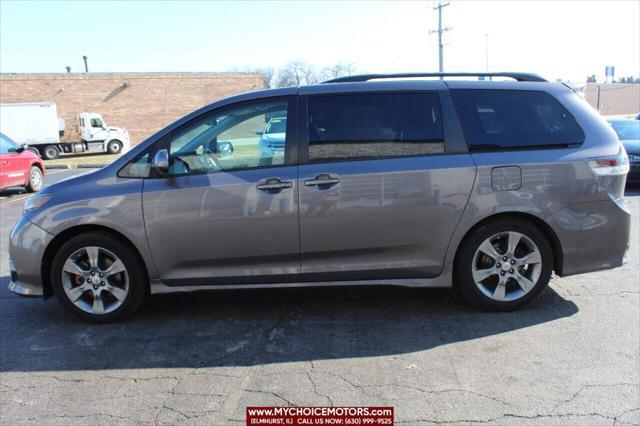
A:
50, 152
463, 268
114, 146
36, 178
137, 285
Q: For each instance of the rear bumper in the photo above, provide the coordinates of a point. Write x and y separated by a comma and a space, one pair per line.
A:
594, 236
26, 249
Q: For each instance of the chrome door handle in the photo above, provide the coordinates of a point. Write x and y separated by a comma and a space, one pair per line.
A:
321, 181
266, 186
271, 184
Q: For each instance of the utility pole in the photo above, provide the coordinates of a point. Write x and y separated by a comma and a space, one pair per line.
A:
86, 65
440, 31
487, 53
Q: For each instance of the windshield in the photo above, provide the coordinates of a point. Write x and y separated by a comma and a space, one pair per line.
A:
7, 145
277, 125
627, 130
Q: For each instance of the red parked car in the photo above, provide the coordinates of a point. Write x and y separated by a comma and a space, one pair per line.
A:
19, 166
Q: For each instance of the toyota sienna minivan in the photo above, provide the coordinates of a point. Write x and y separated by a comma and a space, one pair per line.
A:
484, 185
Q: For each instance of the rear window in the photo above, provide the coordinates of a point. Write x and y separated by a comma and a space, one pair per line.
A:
374, 126
514, 119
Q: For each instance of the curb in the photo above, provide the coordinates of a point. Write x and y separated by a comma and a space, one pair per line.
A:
71, 166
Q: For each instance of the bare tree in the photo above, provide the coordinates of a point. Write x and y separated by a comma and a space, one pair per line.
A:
299, 73
296, 73
341, 69
267, 74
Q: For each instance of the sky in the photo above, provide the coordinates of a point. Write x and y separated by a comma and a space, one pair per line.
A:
557, 39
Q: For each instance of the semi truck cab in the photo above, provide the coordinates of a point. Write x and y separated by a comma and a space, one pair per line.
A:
92, 128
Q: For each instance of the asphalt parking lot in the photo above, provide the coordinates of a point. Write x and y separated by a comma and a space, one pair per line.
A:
573, 357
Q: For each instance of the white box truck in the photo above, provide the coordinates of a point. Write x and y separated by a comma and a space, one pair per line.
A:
37, 125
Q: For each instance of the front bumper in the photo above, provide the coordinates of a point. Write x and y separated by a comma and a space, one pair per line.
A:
26, 250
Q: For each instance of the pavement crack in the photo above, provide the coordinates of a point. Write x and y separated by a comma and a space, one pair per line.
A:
440, 391
178, 412
315, 390
616, 418
280, 397
502, 417
585, 387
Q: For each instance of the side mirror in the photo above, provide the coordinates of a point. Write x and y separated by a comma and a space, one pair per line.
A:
259, 132
22, 148
225, 148
161, 161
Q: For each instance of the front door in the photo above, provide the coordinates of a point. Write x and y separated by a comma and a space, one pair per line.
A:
380, 196
227, 211
13, 165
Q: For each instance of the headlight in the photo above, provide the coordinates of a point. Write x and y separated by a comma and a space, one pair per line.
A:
35, 202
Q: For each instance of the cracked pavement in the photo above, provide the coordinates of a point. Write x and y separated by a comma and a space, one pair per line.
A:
570, 358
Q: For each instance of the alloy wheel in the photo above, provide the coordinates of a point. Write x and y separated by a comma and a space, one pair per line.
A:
95, 280
506, 266
36, 178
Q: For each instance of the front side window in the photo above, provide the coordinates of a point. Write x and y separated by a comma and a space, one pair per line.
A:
96, 122
512, 119
241, 137
138, 168
374, 126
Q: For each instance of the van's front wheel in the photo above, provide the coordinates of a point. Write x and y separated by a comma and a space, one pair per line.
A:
98, 277
504, 265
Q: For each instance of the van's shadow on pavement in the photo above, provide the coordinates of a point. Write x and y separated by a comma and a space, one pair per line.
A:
243, 328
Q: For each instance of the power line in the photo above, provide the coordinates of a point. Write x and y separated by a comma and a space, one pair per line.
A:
440, 30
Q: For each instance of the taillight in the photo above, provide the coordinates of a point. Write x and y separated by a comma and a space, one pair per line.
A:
610, 166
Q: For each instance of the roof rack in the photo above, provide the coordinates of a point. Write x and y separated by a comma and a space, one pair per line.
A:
518, 76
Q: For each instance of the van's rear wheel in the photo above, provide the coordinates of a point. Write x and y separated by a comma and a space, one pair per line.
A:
504, 265
98, 278
50, 152
114, 146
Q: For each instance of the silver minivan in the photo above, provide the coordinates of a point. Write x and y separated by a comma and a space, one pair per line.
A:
488, 186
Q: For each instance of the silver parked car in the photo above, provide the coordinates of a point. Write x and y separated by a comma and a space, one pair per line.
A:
489, 186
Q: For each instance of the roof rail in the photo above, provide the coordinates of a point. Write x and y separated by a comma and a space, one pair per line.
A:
518, 76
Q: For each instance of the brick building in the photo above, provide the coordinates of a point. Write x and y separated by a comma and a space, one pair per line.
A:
615, 99
141, 102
